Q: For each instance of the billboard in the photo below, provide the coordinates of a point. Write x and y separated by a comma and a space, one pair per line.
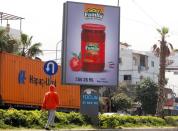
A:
90, 49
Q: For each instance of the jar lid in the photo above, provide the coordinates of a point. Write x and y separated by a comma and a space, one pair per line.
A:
89, 26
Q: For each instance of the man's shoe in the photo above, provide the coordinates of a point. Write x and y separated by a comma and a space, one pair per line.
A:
47, 128
52, 126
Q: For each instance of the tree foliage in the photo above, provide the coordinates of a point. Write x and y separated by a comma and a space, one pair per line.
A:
28, 49
121, 102
7, 42
162, 49
147, 95
23, 47
129, 90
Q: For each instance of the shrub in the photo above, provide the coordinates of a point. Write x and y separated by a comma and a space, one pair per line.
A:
115, 121
34, 118
76, 118
171, 120
37, 119
121, 102
61, 118
15, 118
2, 112
18, 118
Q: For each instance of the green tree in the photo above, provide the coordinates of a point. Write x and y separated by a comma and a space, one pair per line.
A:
8, 43
162, 50
147, 95
121, 102
129, 90
29, 50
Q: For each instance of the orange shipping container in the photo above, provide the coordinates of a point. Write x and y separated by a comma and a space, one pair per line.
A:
23, 82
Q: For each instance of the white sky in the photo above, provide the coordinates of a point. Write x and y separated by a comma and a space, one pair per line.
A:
139, 20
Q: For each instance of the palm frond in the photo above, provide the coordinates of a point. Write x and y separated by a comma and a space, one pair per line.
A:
172, 48
159, 31
34, 50
165, 30
2, 32
154, 47
157, 52
29, 41
24, 38
167, 51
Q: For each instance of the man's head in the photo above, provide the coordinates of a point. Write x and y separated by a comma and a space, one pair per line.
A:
52, 87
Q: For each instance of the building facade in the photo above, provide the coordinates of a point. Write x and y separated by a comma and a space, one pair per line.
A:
137, 65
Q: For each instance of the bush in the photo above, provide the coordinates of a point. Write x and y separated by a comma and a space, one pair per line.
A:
22, 118
115, 121
171, 120
15, 118
61, 118
147, 94
76, 118
37, 119
120, 102
2, 113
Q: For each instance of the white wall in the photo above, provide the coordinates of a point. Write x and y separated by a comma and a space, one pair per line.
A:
128, 67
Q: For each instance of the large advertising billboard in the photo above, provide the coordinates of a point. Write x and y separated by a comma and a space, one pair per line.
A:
90, 49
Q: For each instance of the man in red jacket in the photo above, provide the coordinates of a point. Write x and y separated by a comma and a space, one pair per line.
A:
50, 103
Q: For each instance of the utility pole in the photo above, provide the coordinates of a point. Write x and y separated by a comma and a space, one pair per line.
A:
57, 47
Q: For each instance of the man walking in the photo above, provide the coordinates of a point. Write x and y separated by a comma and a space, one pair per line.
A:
50, 103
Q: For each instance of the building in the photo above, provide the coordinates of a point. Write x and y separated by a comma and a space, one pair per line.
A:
6, 19
172, 72
134, 66
137, 65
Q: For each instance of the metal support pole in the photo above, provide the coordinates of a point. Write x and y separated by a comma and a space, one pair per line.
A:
57, 47
1, 17
20, 25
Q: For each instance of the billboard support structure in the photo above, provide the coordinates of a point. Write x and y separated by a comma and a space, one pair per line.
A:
90, 51
89, 102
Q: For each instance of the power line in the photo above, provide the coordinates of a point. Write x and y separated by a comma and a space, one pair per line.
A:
138, 21
175, 33
149, 16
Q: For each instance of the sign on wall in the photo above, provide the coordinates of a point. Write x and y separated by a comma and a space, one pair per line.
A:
90, 44
89, 101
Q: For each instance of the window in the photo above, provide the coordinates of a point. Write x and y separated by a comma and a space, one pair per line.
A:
141, 77
127, 77
152, 63
142, 60
176, 100
134, 61
120, 60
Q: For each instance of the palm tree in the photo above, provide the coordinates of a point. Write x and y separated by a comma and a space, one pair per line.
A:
7, 43
29, 50
162, 50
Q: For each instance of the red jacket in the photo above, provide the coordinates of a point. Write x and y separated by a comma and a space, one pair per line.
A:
51, 99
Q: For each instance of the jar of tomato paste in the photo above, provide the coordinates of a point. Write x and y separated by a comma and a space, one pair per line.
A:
93, 47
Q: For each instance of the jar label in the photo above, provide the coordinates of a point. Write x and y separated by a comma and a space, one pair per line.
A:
92, 47
93, 52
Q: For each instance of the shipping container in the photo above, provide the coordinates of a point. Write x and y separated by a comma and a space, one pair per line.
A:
23, 82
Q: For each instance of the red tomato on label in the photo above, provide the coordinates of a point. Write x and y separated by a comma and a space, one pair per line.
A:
75, 64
